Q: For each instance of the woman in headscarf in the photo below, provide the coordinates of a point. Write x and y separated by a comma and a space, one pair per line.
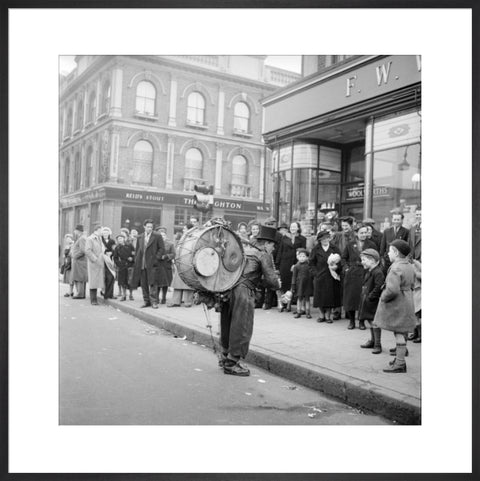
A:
325, 267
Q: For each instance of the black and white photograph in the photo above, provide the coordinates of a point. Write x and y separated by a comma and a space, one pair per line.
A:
230, 205
240, 216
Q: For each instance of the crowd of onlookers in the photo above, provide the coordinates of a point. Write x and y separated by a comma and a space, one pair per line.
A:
332, 270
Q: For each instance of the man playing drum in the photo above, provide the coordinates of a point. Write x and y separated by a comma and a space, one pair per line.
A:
236, 317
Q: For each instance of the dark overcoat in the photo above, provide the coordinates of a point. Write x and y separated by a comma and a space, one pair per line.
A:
166, 264
395, 311
79, 260
121, 254
389, 236
371, 289
286, 257
327, 291
153, 255
353, 273
302, 282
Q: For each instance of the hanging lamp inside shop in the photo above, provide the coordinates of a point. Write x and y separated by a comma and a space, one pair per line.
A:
404, 165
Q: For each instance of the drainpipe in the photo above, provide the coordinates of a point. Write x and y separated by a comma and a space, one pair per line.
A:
368, 187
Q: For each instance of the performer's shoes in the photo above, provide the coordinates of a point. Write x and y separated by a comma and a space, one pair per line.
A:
297, 315
308, 316
336, 316
368, 345
321, 319
329, 321
155, 306
394, 367
235, 368
146, 304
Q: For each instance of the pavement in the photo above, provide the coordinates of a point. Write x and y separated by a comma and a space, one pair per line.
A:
324, 357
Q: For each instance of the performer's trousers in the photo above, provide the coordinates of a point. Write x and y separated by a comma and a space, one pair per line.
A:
236, 321
80, 287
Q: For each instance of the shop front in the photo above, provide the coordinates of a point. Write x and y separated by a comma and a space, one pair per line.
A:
118, 207
347, 142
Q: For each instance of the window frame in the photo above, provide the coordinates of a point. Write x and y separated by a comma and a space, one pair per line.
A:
145, 98
236, 117
138, 162
195, 109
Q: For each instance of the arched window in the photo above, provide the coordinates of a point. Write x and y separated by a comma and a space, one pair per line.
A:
193, 164
66, 176
89, 167
77, 175
68, 130
79, 121
241, 117
142, 162
239, 170
92, 103
146, 95
196, 108
105, 101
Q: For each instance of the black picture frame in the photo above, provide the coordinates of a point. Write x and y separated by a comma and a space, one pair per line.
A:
5, 265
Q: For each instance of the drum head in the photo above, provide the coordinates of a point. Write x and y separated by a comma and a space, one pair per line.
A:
233, 256
206, 262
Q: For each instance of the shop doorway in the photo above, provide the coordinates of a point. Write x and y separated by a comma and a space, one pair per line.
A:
133, 217
354, 209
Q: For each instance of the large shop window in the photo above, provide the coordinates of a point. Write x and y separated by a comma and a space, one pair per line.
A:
397, 167
307, 183
145, 100
182, 217
142, 163
397, 183
133, 217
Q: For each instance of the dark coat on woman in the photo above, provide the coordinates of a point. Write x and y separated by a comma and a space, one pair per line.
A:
302, 282
153, 255
327, 291
121, 254
395, 311
353, 273
371, 289
67, 266
286, 257
166, 264
79, 260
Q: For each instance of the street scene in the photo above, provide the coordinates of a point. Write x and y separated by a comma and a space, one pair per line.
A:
240, 240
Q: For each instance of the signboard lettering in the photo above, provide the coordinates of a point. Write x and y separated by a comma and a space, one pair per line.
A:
358, 192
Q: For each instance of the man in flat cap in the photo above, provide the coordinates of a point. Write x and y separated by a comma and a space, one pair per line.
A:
395, 311
79, 262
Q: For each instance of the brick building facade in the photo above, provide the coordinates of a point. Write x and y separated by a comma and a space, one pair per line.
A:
137, 133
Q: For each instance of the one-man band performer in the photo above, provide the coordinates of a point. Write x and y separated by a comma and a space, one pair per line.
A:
236, 318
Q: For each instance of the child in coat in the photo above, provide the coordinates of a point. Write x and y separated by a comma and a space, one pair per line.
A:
395, 311
302, 284
371, 288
